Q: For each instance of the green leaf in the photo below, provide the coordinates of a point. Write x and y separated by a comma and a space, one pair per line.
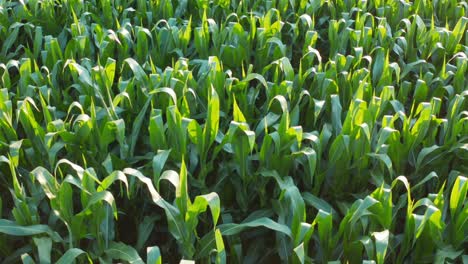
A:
202, 201
318, 203
120, 251
220, 251
299, 251
381, 244
336, 113
458, 195
184, 261
44, 248
11, 228
26, 259
428, 177
237, 113
361, 210
102, 196
158, 164
260, 78
137, 126
81, 72
174, 218
144, 231
70, 255
137, 70
153, 255
46, 180
448, 252
212, 120
109, 180
233, 229
182, 198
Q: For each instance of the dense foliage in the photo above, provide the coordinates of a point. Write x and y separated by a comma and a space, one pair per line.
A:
251, 131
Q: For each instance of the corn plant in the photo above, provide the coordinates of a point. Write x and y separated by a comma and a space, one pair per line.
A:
280, 131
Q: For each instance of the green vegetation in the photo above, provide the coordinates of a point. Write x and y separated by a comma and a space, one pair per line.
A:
251, 131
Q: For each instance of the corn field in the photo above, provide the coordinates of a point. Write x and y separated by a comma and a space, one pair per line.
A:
219, 131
